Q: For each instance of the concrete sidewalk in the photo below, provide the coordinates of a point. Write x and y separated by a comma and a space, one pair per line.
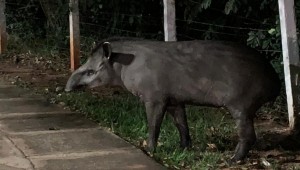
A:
37, 135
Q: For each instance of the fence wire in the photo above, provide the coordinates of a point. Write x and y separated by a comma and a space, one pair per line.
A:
94, 29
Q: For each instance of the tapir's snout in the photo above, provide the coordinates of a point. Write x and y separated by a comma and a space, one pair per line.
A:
70, 85
73, 82
68, 89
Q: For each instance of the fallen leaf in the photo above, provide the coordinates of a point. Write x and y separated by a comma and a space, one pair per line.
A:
212, 147
265, 162
144, 143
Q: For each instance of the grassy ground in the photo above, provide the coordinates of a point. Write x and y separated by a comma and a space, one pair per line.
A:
212, 130
125, 115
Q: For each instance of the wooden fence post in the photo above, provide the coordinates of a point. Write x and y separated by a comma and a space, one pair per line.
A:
169, 20
291, 60
74, 34
3, 35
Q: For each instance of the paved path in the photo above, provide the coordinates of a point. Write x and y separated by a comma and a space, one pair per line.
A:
37, 135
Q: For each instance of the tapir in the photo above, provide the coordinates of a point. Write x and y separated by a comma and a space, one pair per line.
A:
167, 76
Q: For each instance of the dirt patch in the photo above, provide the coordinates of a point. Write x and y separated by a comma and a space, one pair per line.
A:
42, 73
276, 147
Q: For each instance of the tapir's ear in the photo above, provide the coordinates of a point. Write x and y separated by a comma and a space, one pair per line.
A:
94, 45
121, 58
107, 49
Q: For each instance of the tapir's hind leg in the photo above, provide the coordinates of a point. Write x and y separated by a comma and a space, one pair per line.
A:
178, 115
246, 132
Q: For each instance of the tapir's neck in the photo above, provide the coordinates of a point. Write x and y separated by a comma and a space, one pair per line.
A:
117, 81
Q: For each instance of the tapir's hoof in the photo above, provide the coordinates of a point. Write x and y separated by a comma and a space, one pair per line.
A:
241, 152
235, 161
149, 152
149, 149
187, 145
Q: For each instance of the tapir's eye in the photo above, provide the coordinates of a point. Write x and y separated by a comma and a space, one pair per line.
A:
101, 65
90, 72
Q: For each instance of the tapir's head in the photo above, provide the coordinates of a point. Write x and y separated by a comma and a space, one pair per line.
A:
98, 70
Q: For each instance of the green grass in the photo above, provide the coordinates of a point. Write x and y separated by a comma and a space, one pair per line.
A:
126, 117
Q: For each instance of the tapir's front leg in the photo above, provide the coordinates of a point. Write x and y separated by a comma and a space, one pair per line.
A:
155, 114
